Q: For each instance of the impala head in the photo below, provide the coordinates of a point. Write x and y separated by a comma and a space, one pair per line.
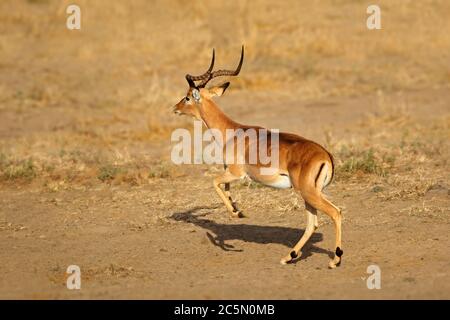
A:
197, 94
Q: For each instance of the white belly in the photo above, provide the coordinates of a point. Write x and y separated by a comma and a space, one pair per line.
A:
282, 182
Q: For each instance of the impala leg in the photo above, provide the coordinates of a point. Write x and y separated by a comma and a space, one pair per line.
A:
226, 178
228, 195
311, 191
311, 226
321, 203
316, 221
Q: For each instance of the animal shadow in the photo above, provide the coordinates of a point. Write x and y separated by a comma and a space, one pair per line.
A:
221, 233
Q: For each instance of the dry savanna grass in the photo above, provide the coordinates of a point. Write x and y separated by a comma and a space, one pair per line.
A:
121, 85
403, 158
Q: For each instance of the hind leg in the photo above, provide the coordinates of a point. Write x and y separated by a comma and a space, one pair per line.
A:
311, 226
311, 190
321, 203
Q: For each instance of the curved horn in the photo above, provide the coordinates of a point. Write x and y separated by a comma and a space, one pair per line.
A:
219, 73
190, 78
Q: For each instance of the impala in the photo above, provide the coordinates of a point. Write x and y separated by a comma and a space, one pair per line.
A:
303, 164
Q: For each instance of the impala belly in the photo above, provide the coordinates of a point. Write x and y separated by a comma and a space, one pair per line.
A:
279, 181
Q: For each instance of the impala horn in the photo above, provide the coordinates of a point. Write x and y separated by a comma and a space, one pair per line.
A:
208, 75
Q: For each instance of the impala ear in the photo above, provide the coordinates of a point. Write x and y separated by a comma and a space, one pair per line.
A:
196, 95
218, 90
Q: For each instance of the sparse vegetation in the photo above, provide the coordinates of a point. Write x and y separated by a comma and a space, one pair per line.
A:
17, 170
108, 172
160, 170
365, 161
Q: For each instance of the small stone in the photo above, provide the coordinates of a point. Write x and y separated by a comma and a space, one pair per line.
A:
377, 189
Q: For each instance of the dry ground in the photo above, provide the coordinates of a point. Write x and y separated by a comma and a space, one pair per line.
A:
85, 170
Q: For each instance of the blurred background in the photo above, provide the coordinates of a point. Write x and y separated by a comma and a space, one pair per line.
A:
112, 83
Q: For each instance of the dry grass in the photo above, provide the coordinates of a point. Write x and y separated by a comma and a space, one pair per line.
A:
12, 170
405, 159
314, 50
110, 86
361, 162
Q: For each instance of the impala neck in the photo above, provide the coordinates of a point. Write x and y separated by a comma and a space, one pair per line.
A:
214, 118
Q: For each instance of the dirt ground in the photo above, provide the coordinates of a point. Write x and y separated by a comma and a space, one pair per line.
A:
86, 177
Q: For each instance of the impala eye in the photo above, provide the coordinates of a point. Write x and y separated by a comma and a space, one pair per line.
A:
187, 98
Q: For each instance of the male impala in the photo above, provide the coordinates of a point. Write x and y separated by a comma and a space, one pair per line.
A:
303, 164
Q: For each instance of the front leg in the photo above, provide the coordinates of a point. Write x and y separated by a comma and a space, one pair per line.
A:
228, 195
226, 178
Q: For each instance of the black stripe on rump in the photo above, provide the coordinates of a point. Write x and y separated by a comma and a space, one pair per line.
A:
318, 174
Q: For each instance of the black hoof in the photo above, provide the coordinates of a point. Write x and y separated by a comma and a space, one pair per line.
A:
293, 255
238, 214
